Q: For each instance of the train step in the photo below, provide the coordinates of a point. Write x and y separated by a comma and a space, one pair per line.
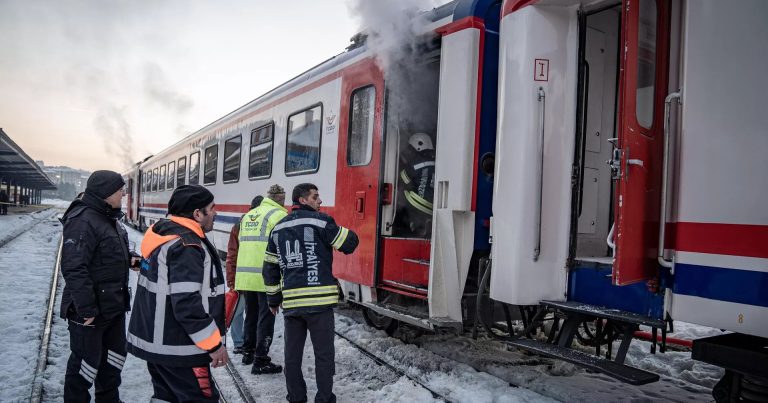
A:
412, 318
624, 373
602, 312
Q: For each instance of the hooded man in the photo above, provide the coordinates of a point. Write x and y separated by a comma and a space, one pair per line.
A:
177, 322
259, 327
94, 263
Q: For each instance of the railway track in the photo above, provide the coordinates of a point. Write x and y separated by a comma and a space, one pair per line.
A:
380, 361
42, 358
19, 232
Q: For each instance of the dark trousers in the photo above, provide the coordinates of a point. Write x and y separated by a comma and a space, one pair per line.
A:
3, 209
259, 326
97, 356
320, 326
182, 384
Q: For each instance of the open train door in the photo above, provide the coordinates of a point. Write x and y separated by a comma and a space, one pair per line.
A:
358, 172
638, 157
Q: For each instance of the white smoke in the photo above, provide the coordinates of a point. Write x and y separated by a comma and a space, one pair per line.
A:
393, 27
396, 34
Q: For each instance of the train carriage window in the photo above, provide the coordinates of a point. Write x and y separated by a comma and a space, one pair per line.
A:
302, 154
144, 181
161, 181
232, 159
194, 168
155, 176
181, 174
211, 162
260, 159
360, 134
646, 63
171, 174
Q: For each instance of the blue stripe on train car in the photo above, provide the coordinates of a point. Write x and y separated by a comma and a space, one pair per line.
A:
732, 285
590, 283
219, 217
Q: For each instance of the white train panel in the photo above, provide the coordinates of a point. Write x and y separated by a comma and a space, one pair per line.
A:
538, 50
721, 264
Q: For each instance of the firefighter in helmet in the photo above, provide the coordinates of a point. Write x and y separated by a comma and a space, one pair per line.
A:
418, 177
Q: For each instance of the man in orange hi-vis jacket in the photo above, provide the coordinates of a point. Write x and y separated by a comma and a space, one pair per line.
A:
177, 323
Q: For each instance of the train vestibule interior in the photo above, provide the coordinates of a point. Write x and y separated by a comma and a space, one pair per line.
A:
412, 83
596, 134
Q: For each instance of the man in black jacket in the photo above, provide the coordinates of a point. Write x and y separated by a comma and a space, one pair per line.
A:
177, 322
94, 263
300, 253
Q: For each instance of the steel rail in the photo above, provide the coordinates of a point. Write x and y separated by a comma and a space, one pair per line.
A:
392, 368
42, 357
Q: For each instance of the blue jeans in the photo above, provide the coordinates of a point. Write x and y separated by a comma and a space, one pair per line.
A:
236, 327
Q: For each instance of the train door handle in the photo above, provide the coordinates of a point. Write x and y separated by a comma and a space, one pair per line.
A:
360, 204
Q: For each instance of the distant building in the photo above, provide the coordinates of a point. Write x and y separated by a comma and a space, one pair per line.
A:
70, 181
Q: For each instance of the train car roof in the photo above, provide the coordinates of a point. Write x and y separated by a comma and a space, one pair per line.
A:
457, 9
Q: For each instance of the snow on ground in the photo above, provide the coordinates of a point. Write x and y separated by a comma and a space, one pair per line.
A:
58, 203
26, 267
682, 378
14, 224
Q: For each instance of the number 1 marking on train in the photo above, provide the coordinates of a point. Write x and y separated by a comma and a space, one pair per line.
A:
541, 70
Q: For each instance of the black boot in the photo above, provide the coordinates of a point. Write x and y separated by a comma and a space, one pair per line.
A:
248, 357
266, 368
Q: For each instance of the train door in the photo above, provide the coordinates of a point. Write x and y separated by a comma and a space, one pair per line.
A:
638, 158
357, 177
408, 172
616, 205
592, 217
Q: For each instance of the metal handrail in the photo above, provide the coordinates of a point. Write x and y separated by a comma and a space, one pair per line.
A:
664, 180
542, 103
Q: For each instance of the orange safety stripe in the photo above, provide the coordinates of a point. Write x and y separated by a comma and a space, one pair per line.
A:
202, 375
212, 341
153, 241
189, 223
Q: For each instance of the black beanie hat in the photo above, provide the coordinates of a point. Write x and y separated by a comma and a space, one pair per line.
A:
104, 183
188, 198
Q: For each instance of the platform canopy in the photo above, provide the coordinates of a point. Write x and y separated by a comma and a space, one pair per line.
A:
19, 168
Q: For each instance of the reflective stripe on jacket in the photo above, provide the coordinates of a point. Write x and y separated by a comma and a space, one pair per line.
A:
298, 265
255, 227
178, 314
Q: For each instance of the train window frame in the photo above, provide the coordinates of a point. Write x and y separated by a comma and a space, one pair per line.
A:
251, 146
181, 172
155, 177
215, 164
143, 181
239, 137
645, 96
163, 178
171, 179
371, 126
319, 144
197, 174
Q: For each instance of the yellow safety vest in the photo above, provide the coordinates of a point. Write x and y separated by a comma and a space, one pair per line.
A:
255, 228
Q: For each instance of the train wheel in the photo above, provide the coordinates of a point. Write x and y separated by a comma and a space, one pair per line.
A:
379, 321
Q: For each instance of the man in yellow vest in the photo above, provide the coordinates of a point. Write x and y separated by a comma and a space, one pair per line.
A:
259, 326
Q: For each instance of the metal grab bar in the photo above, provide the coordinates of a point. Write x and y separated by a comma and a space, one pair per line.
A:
542, 104
664, 181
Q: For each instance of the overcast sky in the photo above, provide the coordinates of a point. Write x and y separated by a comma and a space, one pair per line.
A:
93, 83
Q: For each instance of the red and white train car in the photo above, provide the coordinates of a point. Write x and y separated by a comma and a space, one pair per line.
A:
526, 101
